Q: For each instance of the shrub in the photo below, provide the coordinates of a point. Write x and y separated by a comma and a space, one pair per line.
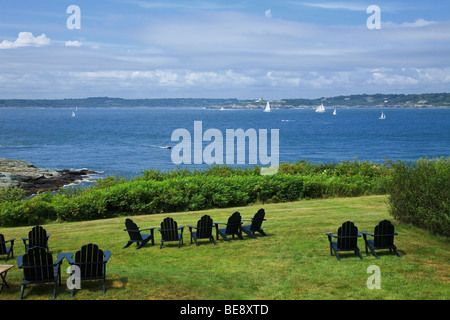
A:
419, 193
11, 194
182, 189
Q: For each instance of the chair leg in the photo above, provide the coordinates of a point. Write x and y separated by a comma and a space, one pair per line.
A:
262, 232
359, 254
22, 289
54, 290
373, 252
128, 244
396, 251
195, 240
337, 255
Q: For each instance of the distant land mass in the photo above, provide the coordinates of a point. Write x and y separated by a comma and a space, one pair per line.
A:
426, 100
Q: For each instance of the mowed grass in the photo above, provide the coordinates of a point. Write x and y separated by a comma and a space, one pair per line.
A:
293, 262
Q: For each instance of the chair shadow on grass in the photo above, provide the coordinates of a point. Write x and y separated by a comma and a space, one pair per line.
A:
95, 286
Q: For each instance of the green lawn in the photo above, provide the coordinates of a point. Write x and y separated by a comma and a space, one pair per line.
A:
293, 263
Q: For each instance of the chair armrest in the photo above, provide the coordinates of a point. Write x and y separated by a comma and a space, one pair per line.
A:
59, 259
107, 256
147, 229
10, 240
19, 261
329, 234
191, 227
69, 257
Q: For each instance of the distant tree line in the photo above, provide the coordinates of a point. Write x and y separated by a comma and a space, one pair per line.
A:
359, 100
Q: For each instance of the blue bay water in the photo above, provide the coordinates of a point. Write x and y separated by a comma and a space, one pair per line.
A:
124, 141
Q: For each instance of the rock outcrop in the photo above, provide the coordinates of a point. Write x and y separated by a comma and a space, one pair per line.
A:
23, 174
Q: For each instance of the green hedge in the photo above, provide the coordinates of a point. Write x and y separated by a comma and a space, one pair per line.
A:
183, 190
419, 193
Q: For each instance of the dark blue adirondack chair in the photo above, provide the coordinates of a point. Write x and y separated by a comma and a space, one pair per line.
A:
171, 232
347, 239
383, 238
6, 250
136, 235
203, 230
38, 267
91, 262
37, 237
255, 226
233, 227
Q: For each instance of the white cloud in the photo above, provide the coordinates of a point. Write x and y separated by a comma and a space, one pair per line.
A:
26, 39
337, 6
416, 24
268, 13
75, 43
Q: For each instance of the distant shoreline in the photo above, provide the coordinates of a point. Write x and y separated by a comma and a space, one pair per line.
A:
423, 101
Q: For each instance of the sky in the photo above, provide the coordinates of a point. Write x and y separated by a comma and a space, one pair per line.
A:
245, 49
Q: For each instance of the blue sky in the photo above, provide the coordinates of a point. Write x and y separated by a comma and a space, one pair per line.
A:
222, 49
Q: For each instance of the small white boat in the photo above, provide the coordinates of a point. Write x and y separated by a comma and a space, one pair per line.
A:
383, 116
73, 114
320, 108
334, 112
267, 109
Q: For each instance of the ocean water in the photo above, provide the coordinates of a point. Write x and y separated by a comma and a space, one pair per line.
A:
124, 141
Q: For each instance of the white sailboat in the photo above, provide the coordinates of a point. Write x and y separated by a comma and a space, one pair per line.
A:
383, 116
267, 109
320, 108
73, 114
334, 112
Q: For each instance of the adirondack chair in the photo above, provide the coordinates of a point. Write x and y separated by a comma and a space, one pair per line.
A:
383, 238
38, 267
135, 234
6, 250
169, 232
203, 230
37, 237
233, 227
91, 262
255, 226
347, 238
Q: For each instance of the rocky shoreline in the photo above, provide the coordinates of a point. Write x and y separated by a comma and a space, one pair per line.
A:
23, 174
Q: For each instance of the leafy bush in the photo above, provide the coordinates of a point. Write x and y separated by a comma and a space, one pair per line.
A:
11, 194
419, 193
182, 189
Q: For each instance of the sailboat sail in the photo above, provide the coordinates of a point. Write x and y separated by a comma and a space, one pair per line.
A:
267, 109
320, 108
334, 112
383, 116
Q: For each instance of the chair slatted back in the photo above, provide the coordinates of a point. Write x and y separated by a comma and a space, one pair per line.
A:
2, 244
37, 237
234, 223
347, 236
90, 261
169, 229
37, 265
257, 220
133, 230
384, 234
204, 227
